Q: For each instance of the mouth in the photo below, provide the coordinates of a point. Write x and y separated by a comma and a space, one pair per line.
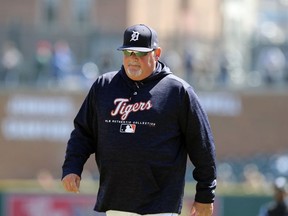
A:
134, 64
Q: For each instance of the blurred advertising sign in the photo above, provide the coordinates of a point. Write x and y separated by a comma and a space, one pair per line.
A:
37, 117
49, 205
221, 103
66, 205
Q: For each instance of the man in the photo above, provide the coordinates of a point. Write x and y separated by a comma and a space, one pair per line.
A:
142, 122
279, 205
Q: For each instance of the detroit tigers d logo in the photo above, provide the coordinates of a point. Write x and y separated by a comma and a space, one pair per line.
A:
135, 36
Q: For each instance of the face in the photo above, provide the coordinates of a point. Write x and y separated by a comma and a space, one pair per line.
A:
139, 67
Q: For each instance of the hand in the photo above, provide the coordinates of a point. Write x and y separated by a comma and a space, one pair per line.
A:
201, 209
71, 183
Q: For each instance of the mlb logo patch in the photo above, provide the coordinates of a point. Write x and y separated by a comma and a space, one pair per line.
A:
127, 128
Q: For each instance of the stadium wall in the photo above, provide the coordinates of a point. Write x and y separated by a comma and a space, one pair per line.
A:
35, 126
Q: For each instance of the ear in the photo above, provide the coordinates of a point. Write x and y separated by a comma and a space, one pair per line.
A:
158, 53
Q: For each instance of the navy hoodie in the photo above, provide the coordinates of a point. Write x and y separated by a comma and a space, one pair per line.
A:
141, 133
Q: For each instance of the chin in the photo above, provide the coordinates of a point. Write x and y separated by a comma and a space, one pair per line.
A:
135, 74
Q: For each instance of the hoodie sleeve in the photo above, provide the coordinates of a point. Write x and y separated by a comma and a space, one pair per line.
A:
83, 139
200, 146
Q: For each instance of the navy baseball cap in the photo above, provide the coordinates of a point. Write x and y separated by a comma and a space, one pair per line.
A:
139, 38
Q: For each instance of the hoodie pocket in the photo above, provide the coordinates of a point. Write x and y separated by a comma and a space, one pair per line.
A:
133, 180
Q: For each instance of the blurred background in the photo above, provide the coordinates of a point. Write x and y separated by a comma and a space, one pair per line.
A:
233, 52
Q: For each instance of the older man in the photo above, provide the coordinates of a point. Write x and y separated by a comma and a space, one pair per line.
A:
142, 122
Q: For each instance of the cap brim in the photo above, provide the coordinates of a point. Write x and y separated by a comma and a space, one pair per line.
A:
139, 49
